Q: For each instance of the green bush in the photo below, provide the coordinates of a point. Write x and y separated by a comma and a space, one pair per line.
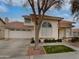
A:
49, 40
59, 40
33, 41
52, 40
75, 39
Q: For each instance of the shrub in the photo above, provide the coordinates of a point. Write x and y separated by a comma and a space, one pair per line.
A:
46, 40
49, 40
39, 41
53, 40
59, 40
75, 39
32, 40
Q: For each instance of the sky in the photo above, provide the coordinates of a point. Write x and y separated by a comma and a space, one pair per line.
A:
15, 10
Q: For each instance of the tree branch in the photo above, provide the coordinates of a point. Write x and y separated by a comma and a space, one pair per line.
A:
39, 9
49, 5
31, 2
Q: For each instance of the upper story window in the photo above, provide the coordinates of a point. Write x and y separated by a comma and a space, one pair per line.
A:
46, 24
27, 20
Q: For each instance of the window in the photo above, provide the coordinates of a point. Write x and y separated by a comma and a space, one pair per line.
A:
46, 30
46, 24
27, 20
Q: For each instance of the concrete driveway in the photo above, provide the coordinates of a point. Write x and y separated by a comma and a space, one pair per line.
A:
13, 48
17, 49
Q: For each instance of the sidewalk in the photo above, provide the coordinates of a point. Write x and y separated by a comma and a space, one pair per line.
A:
70, 55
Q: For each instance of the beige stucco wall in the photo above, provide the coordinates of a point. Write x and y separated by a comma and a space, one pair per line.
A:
75, 34
65, 32
1, 24
61, 33
6, 34
54, 30
1, 30
68, 31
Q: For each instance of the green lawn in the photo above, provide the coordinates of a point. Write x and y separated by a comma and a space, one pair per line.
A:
57, 49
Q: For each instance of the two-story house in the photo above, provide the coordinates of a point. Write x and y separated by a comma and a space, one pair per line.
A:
52, 27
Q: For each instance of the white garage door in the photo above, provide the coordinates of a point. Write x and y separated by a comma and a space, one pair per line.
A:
20, 34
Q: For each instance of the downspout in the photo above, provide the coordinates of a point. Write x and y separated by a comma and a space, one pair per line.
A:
64, 32
70, 32
59, 29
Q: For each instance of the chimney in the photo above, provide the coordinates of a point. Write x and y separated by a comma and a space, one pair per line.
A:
6, 20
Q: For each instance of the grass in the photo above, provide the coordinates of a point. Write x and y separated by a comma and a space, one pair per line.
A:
50, 49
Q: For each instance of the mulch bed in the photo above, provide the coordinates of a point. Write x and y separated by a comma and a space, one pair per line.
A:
33, 51
76, 44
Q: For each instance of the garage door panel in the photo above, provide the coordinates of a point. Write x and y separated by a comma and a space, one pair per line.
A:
20, 34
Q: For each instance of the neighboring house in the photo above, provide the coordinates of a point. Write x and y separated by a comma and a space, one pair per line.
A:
2, 24
52, 27
65, 29
75, 32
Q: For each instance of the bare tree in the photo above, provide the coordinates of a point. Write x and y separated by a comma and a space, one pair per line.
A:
75, 8
42, 6
38, 13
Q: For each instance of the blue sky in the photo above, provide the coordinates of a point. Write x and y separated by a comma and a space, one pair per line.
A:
16, 11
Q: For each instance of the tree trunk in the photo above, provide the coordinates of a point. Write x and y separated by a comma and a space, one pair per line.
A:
36, 36
37, 31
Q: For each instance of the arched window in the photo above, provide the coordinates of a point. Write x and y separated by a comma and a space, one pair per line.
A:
46, 30
46, 24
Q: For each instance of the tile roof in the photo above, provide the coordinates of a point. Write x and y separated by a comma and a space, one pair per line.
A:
75, 30
65, 23
45, 17
18, 25
21, 25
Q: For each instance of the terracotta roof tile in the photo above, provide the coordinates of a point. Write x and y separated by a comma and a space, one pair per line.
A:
18, 25
65, 23
45, 17
75, 30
